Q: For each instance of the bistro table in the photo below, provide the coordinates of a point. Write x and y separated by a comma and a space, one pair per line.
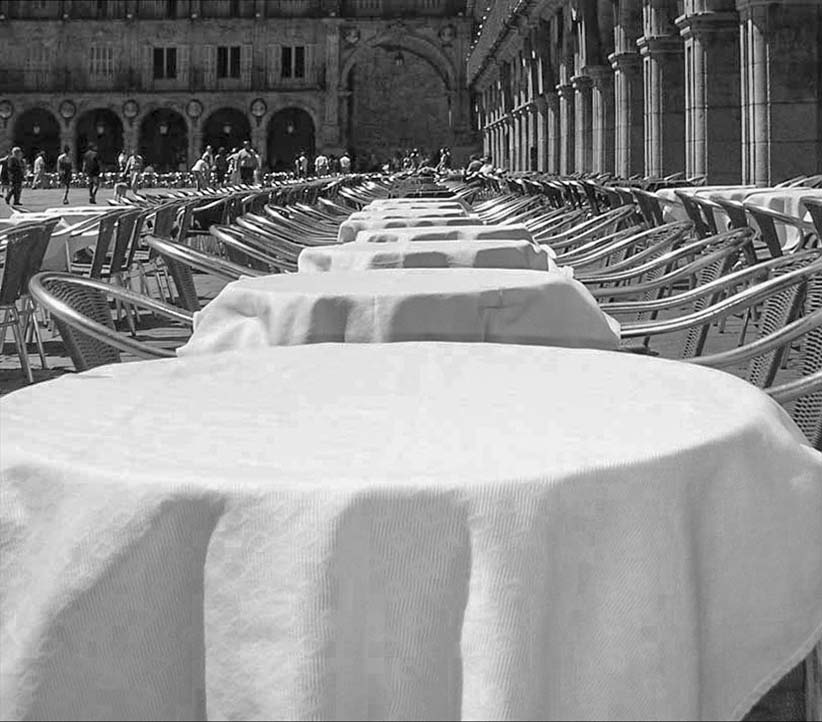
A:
501, 232
358, 256
349, 229
403, 531
409, 304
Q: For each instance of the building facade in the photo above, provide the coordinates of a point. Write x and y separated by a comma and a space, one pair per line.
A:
726, 89
169, 77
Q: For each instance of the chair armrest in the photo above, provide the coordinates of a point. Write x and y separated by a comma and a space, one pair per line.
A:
763, 345
791, 390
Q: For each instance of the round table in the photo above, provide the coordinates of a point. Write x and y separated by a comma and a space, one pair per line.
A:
416, 304
507, 232
403, 531
426, 254
349, 229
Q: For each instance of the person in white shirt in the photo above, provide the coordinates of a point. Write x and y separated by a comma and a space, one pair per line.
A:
345, 164
321, 165
39, 170
200, 170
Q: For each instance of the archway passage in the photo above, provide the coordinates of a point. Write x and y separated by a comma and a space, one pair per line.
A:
399, 100
37, 129
164, 140
226, 128
290, 132
103, 128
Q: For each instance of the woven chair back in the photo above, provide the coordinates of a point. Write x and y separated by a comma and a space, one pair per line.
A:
85, 351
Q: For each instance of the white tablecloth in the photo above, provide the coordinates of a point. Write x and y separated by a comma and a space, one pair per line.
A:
410, 531
426, 254
413, 304
349, 229
509, 232
672, 209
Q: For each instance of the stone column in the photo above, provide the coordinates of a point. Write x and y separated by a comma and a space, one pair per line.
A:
553, 135
195, 140
781, 113
603, 114
664, 74
629, 111
712, 99
541, 133
330, 131
566, 128
583, 123
130, 130
511, 145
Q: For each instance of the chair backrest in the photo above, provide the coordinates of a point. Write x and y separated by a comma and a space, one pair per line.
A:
807, 410
695, 214
18, 249
105, 232
84, 350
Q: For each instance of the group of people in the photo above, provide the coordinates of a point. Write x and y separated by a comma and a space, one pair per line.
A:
323, 164
242, 165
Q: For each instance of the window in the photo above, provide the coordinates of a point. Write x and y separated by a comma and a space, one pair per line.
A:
292, 62
165, 63
102, 5
171, 8
228, 61
101, 61
234, 8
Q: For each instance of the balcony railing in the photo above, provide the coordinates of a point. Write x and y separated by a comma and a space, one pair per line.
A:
401, 8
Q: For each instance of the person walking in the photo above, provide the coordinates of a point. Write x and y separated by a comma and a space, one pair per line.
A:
200, 170
321, 165
345, 163
247, 162
91, 167
233, 167
65, 168
134, 170
122, 159
220, 166
39, 170
17, 172
4, 174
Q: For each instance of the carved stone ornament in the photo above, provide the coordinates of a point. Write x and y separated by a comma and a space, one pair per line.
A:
447, 34
352, 36
194, 109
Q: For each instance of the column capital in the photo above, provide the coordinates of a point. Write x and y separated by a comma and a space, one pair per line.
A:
656, 45
582, 82
625, 61
701, 24
565, 91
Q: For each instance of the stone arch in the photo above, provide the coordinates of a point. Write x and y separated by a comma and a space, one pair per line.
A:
164, 139
401, 90
226, 127
404, 41
103, 127
290, 131
37, 129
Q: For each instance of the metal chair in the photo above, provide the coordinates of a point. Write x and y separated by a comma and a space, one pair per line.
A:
25, 249
84, 319
192, 259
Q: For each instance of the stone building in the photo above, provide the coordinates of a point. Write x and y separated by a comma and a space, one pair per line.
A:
169, 77
727, 89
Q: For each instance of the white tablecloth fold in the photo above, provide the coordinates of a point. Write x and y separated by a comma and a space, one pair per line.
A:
416, 304
426, 254
349, 229
410, 531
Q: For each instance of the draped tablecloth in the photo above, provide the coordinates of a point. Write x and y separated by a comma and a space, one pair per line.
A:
426, 254
788, 201
507, 232
411, 304
403, 531
349, 229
